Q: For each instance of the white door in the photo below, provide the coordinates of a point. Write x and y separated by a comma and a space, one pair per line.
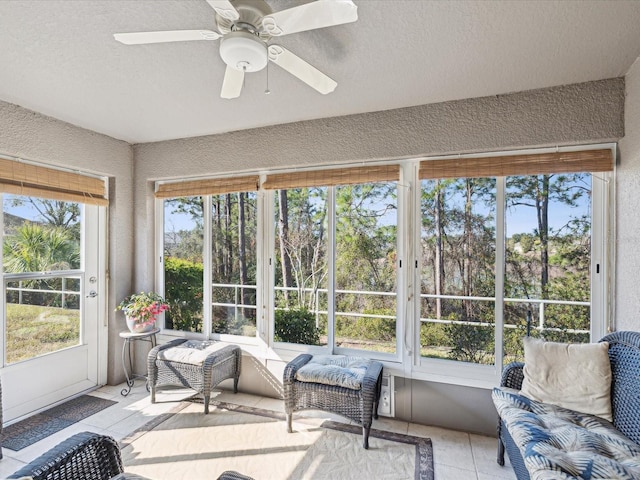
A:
52, 301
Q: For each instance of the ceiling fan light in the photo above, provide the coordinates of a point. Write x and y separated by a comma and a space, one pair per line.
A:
243, 51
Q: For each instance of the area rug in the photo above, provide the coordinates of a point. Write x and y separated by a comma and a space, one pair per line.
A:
186, 443
33, 429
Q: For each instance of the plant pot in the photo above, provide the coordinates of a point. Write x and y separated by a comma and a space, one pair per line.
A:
135, 327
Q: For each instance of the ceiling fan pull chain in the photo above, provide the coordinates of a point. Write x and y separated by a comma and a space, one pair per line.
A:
267, 91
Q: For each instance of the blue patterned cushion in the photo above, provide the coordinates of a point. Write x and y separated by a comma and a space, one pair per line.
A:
337, 370
557, 443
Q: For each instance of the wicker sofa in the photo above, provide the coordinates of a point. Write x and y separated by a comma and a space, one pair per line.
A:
535, 434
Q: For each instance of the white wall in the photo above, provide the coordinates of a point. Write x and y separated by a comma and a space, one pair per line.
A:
30, 135
627, 299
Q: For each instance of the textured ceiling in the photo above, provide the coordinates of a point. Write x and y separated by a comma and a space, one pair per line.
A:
58, 57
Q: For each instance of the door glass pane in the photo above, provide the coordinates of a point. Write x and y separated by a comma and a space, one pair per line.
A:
234, 232
365, 270
548, 259
183, 267
300, 254
43, 310
458, 242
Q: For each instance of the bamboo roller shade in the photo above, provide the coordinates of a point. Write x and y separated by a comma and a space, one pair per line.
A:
211, 186
338, 176
38, 181
534, 164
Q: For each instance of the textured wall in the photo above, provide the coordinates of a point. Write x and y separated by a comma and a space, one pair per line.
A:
627, 298
32, 136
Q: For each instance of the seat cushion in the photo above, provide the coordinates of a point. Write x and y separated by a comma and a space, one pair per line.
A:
559, 443
193, 352
337, 370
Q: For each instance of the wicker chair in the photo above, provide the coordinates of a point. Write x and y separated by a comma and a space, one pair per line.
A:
218, 366
624, 355
86, 456
357, 405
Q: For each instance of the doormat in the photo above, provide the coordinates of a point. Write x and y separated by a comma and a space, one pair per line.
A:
33, 429
185, 443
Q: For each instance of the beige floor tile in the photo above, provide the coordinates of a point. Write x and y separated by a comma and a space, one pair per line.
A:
238, 398
390, 425
275, 404
485, 450
9, 465
449, 446
106, 394
448, 472
109, 416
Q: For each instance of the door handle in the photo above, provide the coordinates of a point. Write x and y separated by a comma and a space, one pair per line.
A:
92, 294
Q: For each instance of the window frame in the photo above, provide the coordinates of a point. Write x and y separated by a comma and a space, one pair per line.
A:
407, 361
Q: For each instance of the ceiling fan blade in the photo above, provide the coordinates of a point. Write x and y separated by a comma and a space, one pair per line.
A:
318, 14
140, 38
232, 84
301, 69
224, 9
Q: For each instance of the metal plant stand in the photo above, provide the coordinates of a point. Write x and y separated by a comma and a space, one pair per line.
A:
129, 338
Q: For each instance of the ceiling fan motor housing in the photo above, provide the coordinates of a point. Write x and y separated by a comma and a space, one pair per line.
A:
244, 51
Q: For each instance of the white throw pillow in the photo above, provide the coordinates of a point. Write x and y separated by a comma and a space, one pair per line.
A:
577, 377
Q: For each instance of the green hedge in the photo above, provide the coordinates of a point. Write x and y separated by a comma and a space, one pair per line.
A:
296, 326
183, 292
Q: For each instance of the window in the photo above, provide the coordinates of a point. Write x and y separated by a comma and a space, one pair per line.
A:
41, 263
494, 240
233, 263
335, 258
365, 266
210, 243
458, 243
548, 259
183, 263
510, 254
301, 266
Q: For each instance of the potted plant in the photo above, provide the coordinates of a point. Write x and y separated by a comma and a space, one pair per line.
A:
142, 309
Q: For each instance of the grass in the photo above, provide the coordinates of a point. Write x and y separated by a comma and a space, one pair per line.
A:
34, 330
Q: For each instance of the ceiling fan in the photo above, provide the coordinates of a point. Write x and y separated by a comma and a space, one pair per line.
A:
245, 29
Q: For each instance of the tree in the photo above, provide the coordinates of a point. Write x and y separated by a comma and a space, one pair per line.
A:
283, 237
301, 246
57, 213
537, 191
41, 248
38, 248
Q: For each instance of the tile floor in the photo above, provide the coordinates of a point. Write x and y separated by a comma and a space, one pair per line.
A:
457, 455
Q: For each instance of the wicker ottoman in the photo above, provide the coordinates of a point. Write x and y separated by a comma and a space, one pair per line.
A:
347, 386
199, 365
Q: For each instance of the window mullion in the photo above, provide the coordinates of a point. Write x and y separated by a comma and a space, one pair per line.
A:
331, 284
266, 238
207, 291
500, 272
